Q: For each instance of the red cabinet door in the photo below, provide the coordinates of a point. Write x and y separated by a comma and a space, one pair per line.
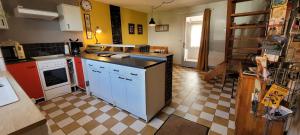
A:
26, 74
79, 72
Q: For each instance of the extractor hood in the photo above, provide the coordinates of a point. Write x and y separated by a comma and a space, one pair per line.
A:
34, 14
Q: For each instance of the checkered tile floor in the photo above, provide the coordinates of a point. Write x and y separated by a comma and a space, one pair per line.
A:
193, 99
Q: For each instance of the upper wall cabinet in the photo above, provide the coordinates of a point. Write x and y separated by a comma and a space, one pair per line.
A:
70, 17
3, 21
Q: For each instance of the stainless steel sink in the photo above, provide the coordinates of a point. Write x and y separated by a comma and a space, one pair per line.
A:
7, 93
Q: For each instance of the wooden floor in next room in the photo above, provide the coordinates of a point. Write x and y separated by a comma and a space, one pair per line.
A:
193, 99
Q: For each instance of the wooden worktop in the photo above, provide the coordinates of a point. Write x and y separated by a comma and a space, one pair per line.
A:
21, 116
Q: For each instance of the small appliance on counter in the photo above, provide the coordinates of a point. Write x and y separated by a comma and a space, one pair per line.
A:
12, 50
75, 47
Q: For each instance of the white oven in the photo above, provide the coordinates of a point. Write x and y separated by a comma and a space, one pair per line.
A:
54, 76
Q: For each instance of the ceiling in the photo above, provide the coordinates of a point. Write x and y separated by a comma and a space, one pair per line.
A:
145, 5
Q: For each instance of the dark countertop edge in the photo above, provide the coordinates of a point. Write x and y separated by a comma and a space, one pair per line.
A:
153, 55
18, 61
157, 63
154, 64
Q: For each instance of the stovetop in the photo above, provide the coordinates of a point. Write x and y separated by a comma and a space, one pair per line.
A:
49, 57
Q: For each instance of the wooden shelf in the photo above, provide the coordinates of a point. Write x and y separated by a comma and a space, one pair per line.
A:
248, 26
237, 1
247, 38
246, 48
250, 13
239, 58
295, 32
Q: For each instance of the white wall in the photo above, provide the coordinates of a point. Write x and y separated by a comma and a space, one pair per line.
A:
26, 30
175, 37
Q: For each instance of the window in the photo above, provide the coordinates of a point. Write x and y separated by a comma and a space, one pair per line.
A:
196, 30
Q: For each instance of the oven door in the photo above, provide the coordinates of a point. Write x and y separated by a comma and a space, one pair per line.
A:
55, 77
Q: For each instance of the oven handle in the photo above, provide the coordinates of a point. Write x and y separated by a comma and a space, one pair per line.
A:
52, 68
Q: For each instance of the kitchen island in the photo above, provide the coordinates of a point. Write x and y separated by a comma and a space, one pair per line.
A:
136, 84
22, 116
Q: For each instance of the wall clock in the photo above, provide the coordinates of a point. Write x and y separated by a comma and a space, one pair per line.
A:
86, 5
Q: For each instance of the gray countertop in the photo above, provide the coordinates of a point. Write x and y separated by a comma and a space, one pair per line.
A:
128, 61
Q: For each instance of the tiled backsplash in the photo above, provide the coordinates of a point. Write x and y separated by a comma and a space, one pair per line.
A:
43, 49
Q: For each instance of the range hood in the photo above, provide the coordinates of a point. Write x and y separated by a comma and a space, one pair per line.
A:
34, 14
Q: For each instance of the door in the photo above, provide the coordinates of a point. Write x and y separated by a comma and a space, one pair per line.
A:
118, 90
54, 77
103, 83
3, 22
193, 31
21, 72
71, 17
91, 77
79, 72
136, 96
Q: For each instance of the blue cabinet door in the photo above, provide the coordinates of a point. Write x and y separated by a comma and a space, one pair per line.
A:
118, 90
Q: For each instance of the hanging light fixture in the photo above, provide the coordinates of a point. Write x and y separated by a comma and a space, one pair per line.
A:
152, 22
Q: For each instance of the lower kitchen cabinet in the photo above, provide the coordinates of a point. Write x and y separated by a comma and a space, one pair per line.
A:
138, 91
118, 90
99, 80
26, 74
135, 89
79, 72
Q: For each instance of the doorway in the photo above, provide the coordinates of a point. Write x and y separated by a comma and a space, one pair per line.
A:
193, 31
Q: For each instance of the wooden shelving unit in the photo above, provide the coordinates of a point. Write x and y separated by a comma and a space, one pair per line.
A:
237, 1
250, 13
248, 26
246, 38
235, 53
231, 27
245, 49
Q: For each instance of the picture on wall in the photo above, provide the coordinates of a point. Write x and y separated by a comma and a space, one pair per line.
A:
162, 28
88, 27
131, 28
140, 29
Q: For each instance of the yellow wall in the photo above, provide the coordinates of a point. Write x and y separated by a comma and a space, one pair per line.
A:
100, 16
135, 17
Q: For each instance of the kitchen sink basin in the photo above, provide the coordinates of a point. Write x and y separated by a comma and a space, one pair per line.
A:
7, 93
